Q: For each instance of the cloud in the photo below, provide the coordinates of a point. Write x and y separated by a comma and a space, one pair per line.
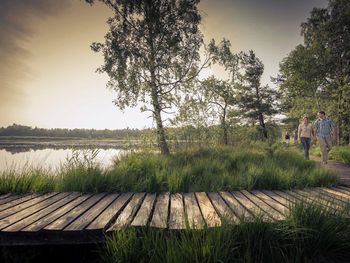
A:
16, 29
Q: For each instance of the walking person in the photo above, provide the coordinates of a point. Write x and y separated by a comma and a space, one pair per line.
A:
324, 130
305, 133
287, 138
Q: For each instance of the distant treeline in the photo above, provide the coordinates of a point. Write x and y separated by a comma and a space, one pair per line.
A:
183, 134
22, 130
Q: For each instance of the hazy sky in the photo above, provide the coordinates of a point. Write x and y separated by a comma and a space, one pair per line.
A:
47, 69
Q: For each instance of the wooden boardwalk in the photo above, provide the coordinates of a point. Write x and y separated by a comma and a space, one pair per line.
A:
84, 218
341, 169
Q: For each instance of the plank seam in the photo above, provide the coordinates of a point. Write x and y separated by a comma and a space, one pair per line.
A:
118, 194
114, 218
87, 209
266, 202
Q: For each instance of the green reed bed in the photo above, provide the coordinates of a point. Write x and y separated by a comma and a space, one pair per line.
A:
253, 166
338, 153
310, 233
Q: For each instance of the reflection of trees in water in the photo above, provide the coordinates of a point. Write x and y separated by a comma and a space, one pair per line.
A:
20, 147
13, 149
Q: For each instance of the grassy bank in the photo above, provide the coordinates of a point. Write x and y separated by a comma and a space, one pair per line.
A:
338, 153
253, 166
310, 233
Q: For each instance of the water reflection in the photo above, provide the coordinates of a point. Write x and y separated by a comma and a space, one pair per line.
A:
24, 157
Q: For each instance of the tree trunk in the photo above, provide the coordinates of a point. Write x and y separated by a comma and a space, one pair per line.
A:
224, 128
262, 125
161, 139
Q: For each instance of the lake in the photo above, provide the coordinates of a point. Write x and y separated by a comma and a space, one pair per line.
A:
50, 157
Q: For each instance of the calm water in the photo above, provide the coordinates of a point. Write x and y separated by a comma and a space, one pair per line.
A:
50, 158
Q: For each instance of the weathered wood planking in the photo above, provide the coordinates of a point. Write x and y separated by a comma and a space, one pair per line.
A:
271, 212
43, 222
144, 214
240, 211
73, 216
9, 198
210, 216
281, 200
192, 211
224, 211
251, 206
86, 218
339, 194
17, 201
128, 213
282, 209
160, 214
42, 213
24, 205
5, 222
109, 215
176, 216
5, 196
62, 222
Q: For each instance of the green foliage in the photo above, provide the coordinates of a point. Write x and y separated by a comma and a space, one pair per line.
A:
248, 166
315, 75
150, 53
338, 153
341, 154
310, 233
255, 102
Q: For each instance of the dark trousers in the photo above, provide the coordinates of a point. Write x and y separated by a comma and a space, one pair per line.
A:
305, 141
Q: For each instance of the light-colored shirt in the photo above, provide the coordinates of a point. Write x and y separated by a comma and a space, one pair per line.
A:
323, 128
305, 130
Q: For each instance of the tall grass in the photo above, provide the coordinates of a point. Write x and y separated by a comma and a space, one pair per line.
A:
311, 233
251, 166
338, 153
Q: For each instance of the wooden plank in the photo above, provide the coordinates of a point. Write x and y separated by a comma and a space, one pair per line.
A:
340, 194
251, 206
290, 198
34, 217
347, 189
193, 214
271, 212
331, 196
339, 189
48, 219
271, 202
128, 213
210, 216
64, 221
18, 201
25, 205
144, 214
223, 209
311, 198
160, 213
104, 220
86, 218
5, 196
300, 196
239, 210
177, 215
282, 200
324, 199
30, 210
10, 198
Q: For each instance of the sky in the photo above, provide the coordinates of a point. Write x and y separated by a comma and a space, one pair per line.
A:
47, 69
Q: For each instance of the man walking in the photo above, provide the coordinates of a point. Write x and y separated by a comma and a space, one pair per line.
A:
324, 130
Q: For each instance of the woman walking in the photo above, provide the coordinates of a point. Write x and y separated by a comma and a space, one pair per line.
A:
305, 133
